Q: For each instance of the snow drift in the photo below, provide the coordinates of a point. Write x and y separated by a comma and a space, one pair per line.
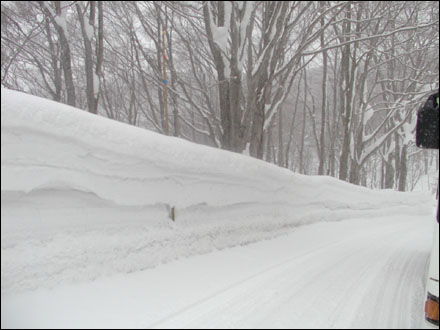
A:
84, 196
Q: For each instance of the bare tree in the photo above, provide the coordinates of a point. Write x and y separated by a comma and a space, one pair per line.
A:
57, 15
93, 64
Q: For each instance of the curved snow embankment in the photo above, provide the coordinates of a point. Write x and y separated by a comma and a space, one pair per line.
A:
50, 145
84, 196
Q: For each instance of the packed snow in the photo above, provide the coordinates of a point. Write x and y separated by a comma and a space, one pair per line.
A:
87, 239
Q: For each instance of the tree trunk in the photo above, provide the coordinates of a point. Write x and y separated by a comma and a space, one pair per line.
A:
66, 60
346, 97
90, 91
223, 86
403, 170
280, 139
321, 169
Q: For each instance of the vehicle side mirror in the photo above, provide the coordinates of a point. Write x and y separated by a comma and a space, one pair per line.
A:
427, 130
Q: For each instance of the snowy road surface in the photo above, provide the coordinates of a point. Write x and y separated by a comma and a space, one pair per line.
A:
366, 273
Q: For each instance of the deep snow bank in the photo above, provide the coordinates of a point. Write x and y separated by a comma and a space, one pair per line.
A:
84, 196
50, 145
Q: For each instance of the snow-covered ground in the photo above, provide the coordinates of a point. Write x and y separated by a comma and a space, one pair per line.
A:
355, 273
87, 241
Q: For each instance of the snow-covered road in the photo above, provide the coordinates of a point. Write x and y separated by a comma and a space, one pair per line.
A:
349, 274
366, 273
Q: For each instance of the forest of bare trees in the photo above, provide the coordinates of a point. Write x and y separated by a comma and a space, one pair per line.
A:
319, 87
